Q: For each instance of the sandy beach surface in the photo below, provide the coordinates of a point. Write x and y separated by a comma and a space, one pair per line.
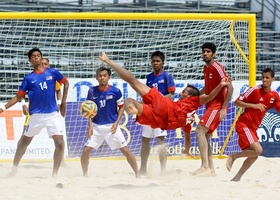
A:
114, 179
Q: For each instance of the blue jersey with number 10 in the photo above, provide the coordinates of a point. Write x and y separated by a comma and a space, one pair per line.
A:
40, 88
107, 102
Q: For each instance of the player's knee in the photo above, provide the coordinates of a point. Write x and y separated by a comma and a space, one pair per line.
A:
259, 150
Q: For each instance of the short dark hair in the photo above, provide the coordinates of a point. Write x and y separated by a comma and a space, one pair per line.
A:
159, 54
30, 52
193, 91
209, 45
269, 70
100, 69
47, 60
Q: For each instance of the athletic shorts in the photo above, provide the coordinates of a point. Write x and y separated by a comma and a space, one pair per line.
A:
210, 118
149, 132
50, 121
154, 112
187, 128
103, 132
246, 136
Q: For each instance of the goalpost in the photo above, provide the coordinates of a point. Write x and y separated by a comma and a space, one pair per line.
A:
73, 41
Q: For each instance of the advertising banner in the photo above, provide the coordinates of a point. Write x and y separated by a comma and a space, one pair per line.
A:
11, 123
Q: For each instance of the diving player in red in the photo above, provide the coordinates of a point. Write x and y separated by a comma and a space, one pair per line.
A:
256, 101
157, 110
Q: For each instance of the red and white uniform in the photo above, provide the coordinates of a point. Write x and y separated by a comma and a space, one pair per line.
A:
212, 78
250, 120
162, 112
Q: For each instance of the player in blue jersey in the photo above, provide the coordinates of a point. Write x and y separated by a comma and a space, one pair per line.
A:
43, 110
105, 125
164, 82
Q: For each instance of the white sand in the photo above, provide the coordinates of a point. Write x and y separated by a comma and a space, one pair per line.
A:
114, 179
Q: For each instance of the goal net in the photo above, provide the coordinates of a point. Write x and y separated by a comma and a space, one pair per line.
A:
73, 41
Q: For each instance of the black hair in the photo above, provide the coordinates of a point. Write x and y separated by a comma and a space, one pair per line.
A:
193, 91
209, 45
47, 60
269, 70
159, 54
31, 51
100, 69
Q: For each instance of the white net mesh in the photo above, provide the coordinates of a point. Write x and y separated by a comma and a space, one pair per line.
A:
73, 46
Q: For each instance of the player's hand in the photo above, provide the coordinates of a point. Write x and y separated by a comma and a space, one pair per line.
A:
103, 57
223, 114
260, 106
114, 128
225, 81
90, 132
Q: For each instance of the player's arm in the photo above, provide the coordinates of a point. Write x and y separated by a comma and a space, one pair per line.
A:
120, 114
223, 110
206, 98
243, 104
12, 102
202, 91
170, 95
24, 106
64, 97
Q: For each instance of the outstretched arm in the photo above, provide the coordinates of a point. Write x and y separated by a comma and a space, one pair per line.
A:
206, 98
12, 102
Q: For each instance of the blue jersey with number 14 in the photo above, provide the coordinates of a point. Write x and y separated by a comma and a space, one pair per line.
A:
40, 88
107, 102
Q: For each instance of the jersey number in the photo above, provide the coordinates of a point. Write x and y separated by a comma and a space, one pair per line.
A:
102, 103
43, 85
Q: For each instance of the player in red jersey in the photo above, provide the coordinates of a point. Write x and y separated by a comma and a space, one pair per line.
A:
157, 110
216, 109
256, 101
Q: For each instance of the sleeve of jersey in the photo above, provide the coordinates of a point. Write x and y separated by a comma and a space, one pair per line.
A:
277, 105
170, 83
119, 98
246, 95
63, 80
22, 88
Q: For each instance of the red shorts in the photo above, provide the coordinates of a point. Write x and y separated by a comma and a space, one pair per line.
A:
246, 136
187, 128
210, 119
155, 112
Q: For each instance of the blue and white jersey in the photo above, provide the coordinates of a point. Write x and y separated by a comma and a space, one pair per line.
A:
164, 82
107, 102
40, 88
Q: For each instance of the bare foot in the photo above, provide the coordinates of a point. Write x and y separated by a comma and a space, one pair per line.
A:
213, 173
187, 154
138, 175
12, 173
201, 170
142, 172
229, 162
131, 109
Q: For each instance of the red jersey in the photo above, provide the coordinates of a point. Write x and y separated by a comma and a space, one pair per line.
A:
161, 112
253, 117
212, 78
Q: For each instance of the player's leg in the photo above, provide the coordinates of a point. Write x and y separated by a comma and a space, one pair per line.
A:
210, 155
22, 144
187, 144
251, 154
131, 160
162, 153
203, 148
144, 154
85, 160
58, 153
124, 74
